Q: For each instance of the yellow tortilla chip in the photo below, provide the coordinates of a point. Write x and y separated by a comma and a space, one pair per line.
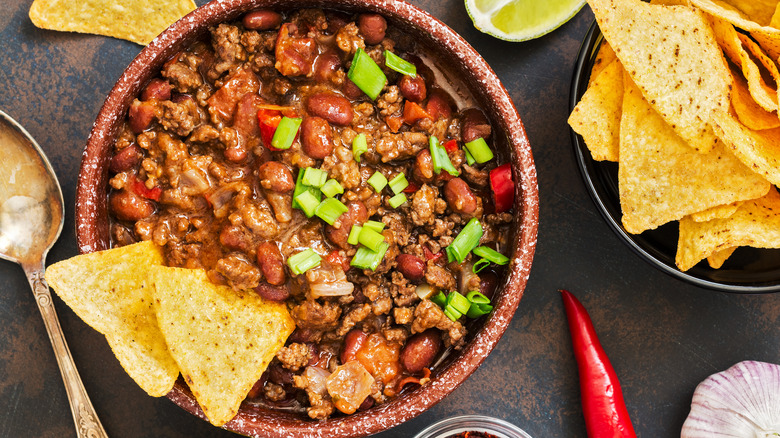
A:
604, 57
775, 22
757, 149
138, 21
747, 110
682, 74
767, 37
597, 115
661, 178
221, 339
717, 212
718, 258
756, 223
109, 290
760, 11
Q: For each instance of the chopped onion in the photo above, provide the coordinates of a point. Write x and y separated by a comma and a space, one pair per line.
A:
336, 289
317, 379
743, 401
328, 280
424, 290
193, 182
349, 385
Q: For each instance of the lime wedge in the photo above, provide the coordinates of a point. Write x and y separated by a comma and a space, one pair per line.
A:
521, 20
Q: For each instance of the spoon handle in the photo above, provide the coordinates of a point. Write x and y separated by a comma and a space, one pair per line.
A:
87, 422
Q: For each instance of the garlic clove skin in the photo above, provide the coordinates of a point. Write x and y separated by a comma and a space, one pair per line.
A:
741, 402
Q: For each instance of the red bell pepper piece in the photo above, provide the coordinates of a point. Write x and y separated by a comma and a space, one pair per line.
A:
411, 188
139, 188
268, 119
602, 399
451, 146
503, 187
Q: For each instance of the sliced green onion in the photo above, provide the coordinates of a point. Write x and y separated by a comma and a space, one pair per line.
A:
374, 225
314, 177
332, 188
285, 133
307, 202
399, 64
366, 74
480, 265
303, 261
480, 150
467, 239
439, 299
359, 145
398, 183
450, 257
477, 298
377, 181
397, 200
477, 310
452, 313
366, 259
330, 210
491, 254
371, 238
469, 159
441, 161
300, 187
458, 302
354, 234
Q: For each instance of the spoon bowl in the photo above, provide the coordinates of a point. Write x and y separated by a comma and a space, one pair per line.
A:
31, 219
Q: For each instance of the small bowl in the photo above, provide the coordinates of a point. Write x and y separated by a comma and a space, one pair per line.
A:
92, 225
472, 423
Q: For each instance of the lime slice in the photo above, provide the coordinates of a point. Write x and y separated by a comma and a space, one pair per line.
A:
521, 20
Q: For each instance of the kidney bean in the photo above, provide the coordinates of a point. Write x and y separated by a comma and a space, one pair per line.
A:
262, 19
272, 293
412, 267
487, 283
337, 20
367, 404
236, 154
354, 339
271, 262
474, 125
351, 90
413, 88
126, 159
422, 170
372, 27
157, 89
326, 66
233, 237
459, 196
140, 115
316, 137
128, 206
439, 104
276, 177
334, 108
420, 350
305, 335
356, 214
279, 374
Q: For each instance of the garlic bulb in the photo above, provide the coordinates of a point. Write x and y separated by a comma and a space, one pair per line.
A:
743, 401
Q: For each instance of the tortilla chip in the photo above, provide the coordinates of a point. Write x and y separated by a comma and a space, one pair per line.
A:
138, 21
775, 22
683, 75
767, 37
661, 178
597, 115
221, 339
760, 11
718, 258
670, 2
757, 149
756, 223
604, 57
109, 290
747, 110
717, 212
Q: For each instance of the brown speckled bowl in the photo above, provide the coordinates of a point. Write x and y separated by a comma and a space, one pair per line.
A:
92, 228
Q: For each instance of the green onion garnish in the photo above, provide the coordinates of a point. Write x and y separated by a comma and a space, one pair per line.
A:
332, 188
354, 235
374, 225
377, 181
366, 259
307, 202
477, 310
398, 183
359, 145
479, 150
439, 299
491, 254
450, 257
300, 187
397, 200
480, 265
477, 298
314, 177
469, 159
467, 239
330, 210
452, 313
303, 261
399, 64
285, 133
458, 302
371, 238
366, 74
441, 161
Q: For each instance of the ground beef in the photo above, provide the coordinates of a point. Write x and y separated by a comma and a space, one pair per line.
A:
349, 40
423, 203
440, 277
183, 78
357, 313
180, 118
294, 356
239, 272
428, 315
312, 314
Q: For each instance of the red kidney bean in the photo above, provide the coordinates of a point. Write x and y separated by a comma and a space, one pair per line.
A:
439, 104
236, 154
140, 115
423, 167
316, 137
337, 20
356, 214
459, 196
157, 89
271, 262
372, 27
126, 159
279, 374
276, 177
352, 343
271, 292
367, 404
262, 19
351, 90
326, 66
413, 88
412, 267
233, 237
128, 206
357, 295
305, 335
334, 108
487, 283
420, 350
474, 125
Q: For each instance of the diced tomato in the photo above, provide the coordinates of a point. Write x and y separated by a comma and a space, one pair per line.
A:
139, 188
503, 187
394, 122
414, 112
336, 258
451, 146
429, 255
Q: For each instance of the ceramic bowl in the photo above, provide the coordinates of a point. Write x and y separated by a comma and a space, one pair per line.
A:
92, 225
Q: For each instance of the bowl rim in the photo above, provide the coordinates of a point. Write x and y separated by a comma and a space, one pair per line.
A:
92, 221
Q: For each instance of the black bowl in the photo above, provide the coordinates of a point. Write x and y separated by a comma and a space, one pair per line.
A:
748, 270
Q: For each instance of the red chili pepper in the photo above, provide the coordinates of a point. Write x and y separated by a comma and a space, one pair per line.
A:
503, 187
451, 146
602, 399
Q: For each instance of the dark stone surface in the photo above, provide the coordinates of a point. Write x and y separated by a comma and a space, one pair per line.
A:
663, 336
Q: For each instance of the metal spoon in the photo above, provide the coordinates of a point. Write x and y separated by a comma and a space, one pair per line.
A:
31, 217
